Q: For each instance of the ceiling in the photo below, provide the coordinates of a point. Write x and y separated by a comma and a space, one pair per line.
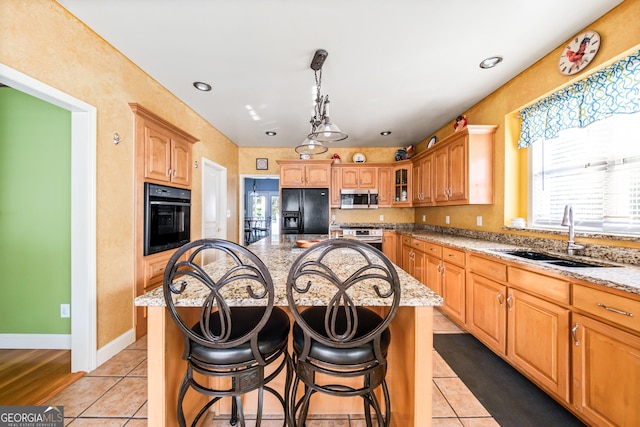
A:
405, 66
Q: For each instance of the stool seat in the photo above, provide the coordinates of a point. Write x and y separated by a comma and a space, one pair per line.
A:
362, 354
271, 338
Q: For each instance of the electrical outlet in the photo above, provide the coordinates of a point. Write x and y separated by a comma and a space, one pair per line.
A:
65, 310
333, 217
447, 220
381, 217
424, 218
228, 214
479, 220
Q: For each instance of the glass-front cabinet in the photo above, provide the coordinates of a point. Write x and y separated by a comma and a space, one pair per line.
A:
402, 185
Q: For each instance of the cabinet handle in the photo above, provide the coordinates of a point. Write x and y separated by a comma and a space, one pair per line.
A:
615, 310
574, 333
501, 298
168, 172
174, 172
509, 299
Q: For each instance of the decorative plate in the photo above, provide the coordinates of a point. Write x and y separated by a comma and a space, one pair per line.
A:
432, 142
359, 158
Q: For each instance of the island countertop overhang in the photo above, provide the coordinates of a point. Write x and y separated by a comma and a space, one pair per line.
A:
278, 254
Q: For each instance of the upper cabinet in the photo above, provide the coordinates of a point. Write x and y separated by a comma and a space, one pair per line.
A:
166, 150
385, 195
359, 177
402, 184
462, 169
422, 191
305, 173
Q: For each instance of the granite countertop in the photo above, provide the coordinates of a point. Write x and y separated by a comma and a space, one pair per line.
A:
619, 276
279, 253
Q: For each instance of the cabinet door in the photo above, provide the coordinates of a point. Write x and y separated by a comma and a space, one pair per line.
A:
157, 153
390, 245
418, 265
407, 259
440, 175
486, 313
349, 177
538, 341
433, 273
416, 192
335, 188
453, 291
292, 175
368, 178
427, 179
384, 186
458, 170
606, 369
318, 176
401, 186
180, 162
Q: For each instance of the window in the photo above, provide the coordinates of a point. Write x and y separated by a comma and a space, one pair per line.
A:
596, 169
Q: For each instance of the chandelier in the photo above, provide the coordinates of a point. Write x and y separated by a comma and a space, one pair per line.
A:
322, 129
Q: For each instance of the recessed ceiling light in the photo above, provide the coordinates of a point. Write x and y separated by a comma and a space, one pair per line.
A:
270, 133
205, 87
385, 133
491, 62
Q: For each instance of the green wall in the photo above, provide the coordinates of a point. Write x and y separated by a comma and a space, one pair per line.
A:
35, 214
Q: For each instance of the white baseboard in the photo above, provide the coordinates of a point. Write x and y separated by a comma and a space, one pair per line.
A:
36, 341
109, 350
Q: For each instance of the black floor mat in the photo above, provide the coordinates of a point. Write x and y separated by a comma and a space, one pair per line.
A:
510, 398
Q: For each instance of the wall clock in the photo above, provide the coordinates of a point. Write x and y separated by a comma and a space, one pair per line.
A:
579, 53
359, 158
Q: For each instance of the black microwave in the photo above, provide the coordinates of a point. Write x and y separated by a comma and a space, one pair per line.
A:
358, 199
167, 218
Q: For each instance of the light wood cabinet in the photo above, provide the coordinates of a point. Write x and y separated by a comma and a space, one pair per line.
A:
390, 245
413, 258
385, 189
486, 315
163, 155
165, 150
335, 188
402, 192
606, 369
359, 177
422, 176
453, 284
537, 341
305, 173
462, 169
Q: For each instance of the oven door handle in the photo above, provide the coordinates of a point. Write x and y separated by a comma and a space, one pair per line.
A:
170, 203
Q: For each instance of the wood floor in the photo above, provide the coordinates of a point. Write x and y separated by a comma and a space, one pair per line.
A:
30, 377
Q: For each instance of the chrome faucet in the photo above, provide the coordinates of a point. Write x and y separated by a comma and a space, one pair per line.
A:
567, 220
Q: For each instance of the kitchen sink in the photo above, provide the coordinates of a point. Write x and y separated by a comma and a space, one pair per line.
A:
536, 256
554, 260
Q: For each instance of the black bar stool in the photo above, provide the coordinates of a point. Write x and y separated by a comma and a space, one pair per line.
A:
342, 341
234, 343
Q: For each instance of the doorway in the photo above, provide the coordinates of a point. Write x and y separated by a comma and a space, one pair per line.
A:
83, 213
259, 207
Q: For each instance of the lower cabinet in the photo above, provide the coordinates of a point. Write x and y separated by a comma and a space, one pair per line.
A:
453, 284
537, 341
606, 373
486, 316
390, 245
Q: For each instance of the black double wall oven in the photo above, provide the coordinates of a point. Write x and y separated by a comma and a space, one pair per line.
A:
167, 217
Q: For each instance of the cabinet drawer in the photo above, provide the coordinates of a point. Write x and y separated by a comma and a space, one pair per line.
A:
545, 286
433, 249
418, 244
454, 256
406, 240
154, 272
612, 307
488, 268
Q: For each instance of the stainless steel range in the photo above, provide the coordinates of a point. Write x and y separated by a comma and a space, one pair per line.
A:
370, 235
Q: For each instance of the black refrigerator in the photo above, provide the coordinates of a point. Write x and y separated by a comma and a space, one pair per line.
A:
305, 211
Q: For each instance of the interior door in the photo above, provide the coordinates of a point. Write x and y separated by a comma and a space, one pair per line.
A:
214, 201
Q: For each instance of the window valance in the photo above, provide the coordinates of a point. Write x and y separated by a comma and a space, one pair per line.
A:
612, 90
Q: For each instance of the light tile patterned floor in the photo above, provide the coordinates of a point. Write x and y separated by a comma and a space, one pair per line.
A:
115, 395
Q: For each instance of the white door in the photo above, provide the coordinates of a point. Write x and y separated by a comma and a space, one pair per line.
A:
214, 200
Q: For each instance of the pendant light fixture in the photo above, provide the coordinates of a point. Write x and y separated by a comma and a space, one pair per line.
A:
322, 129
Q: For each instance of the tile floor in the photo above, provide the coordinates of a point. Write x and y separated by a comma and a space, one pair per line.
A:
115, 395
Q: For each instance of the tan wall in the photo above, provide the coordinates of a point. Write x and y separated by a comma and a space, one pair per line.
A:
619, 39
39, 38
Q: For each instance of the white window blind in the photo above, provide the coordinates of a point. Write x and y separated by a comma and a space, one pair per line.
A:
596, 169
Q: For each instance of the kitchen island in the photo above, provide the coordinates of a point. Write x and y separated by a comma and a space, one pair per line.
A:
409, 374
